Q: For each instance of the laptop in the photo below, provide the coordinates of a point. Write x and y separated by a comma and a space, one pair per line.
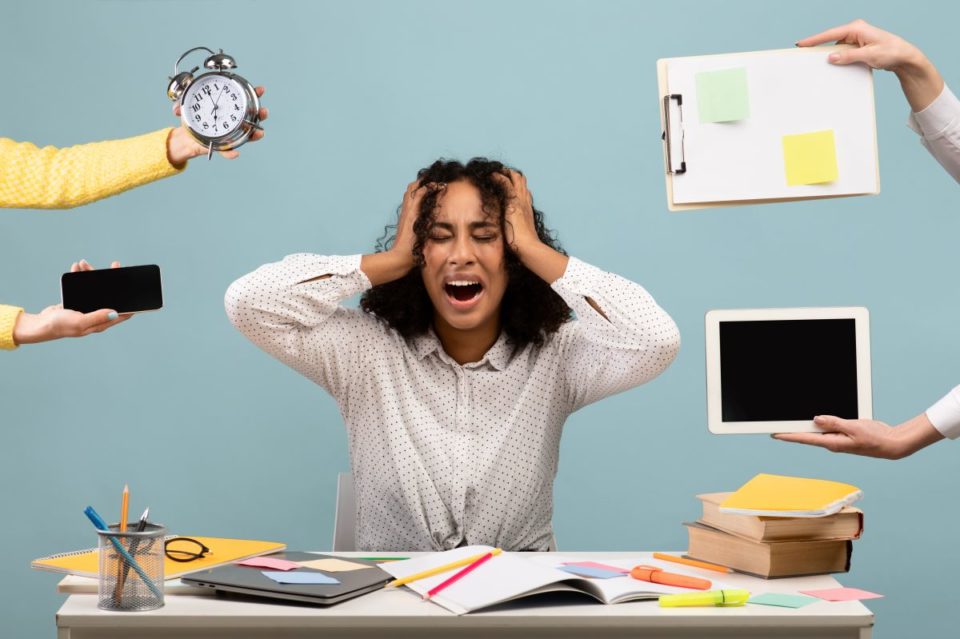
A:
247, 580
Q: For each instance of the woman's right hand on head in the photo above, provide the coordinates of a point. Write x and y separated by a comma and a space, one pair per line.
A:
409, 210
56, 322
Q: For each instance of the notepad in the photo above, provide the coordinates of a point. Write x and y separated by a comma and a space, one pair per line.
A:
722, 95
782, 600
782, 496
300, 577
86, 563
810, 158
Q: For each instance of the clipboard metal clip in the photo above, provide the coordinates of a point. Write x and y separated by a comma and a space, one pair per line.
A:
673, 133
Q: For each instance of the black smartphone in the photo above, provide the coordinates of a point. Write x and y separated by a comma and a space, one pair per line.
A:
128, 289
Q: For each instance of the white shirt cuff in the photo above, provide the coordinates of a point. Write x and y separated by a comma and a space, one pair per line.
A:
938, 115
945, 414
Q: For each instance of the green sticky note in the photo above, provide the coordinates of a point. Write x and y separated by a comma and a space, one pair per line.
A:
722, 95
810, 158
784, 601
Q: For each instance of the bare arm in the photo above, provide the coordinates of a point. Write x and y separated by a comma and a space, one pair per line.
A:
919, 79
869, 437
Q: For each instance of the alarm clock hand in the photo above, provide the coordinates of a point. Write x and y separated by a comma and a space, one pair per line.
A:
181, 146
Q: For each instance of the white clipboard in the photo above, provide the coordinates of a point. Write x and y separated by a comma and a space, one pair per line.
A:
790, 91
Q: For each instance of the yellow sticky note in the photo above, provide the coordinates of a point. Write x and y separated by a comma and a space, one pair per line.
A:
333, 565
810, 158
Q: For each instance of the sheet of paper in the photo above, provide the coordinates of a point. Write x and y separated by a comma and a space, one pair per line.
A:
333, 565
842, 594
782, 600
810, 158
269, 562
300, 577
722, 95
593, 564
593, 573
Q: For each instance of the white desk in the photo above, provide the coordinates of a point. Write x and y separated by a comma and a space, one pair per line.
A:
402, 614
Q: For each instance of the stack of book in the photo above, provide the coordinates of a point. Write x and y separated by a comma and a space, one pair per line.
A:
758, 543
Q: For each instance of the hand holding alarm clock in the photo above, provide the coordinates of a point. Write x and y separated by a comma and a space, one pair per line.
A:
220, 110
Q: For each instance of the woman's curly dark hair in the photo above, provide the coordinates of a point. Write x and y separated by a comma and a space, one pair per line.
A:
530, 309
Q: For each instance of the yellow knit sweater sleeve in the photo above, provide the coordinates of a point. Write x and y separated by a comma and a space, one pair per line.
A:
51, 178
8, 317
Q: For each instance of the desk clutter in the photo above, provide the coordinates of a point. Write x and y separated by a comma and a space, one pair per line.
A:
767, 546
134, 559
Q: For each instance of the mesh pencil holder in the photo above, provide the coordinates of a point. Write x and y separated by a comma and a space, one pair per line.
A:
131, 568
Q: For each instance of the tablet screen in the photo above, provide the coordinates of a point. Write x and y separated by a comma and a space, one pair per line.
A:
786, 370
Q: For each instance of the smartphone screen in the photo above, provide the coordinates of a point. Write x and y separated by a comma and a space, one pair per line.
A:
127, 289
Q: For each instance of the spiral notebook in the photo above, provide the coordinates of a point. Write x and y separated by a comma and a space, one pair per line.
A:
86, 563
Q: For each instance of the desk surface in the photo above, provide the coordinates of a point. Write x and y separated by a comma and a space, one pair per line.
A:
403, 613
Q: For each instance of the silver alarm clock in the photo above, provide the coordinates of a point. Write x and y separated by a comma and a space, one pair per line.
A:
220, 109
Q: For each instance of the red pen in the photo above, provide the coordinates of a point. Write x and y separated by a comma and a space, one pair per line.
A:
461, 573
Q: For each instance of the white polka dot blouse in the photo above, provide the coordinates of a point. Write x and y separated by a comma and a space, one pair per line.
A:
445, 455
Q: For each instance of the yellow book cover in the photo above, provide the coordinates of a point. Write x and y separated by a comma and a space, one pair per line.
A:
86, 563
782, 496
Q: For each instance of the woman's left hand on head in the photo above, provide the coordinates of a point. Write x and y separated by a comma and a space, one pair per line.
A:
520, 228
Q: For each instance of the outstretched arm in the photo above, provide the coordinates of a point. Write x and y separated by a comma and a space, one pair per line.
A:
52, 178
880, 49
54, 322
935, 110
868, 437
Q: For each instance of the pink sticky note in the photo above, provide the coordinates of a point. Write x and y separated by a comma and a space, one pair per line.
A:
593, 564
269, 562
841, 594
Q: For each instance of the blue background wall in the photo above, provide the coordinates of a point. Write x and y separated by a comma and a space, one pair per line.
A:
219, 439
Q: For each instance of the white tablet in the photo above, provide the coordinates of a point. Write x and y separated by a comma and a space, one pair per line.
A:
772, 370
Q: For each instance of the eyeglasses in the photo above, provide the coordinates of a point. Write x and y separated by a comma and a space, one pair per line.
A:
184, 549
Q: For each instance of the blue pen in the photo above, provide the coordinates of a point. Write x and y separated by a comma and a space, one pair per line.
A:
100, 524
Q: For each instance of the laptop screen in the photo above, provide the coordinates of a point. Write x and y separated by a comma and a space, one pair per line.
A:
786, 370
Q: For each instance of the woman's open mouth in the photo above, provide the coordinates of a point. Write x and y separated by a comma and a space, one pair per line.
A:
463, 294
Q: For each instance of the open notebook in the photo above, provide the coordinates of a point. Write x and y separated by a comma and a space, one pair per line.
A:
512, 576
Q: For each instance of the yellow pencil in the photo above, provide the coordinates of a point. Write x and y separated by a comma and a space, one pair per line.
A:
124, 506
690, 562
440, 569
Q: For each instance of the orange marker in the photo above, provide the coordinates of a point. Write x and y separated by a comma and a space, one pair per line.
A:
690, 562
659, 576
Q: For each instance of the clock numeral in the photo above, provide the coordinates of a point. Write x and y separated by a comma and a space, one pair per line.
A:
207, 90
196, 96
215, 87
234, 96
226, 125
236, 107
206, 126
197, 117
195, 107
233, 117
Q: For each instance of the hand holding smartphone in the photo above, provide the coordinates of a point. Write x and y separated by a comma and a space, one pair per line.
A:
126, 289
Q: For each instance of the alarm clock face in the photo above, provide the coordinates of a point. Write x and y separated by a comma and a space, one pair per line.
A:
214, 105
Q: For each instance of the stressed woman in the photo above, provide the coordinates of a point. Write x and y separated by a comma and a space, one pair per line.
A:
458, 372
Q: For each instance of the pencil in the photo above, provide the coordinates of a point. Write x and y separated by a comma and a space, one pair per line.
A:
440, 569
691, 562
121, 573
459, 575
124, 507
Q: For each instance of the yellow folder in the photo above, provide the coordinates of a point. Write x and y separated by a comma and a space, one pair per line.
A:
781, 496
86, 563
